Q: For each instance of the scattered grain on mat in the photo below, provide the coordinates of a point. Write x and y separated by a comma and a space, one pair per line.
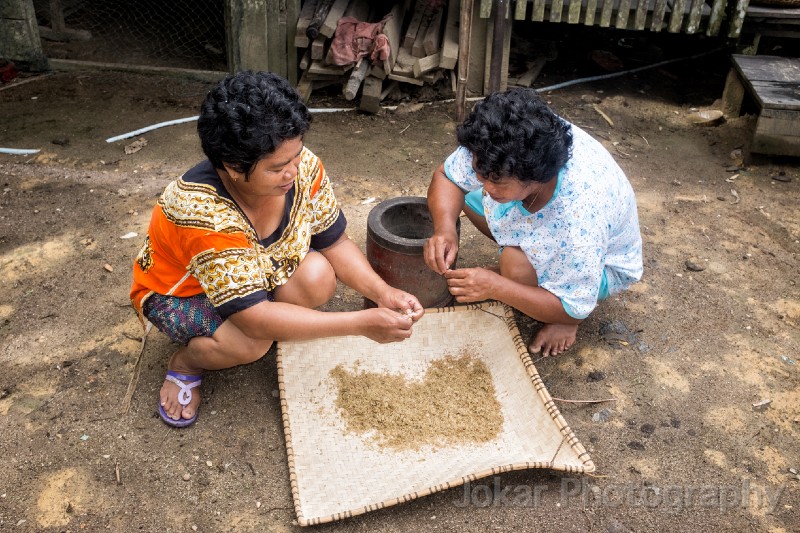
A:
454, 403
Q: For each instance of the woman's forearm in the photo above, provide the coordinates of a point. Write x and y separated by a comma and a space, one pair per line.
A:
445, 202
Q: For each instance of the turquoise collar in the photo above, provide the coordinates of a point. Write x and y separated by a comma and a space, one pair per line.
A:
501, 209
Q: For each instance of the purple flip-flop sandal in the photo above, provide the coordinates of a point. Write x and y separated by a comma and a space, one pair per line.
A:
186, 383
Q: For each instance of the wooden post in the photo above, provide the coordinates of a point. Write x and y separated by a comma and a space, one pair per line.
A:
356, 77
318, 19
371, 95
20, 33
450, 40
392, 31
301, 40
336, 12
246, 29
463, 59
498, 40
732, 94
57, 17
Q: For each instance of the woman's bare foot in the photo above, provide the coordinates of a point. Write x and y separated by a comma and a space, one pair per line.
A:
553, 339
170, 391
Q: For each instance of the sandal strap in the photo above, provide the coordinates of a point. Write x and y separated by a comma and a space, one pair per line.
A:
185, 394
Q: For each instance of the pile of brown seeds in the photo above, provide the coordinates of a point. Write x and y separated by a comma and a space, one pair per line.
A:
455, 403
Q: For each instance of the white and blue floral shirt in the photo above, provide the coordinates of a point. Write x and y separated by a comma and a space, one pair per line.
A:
588, 231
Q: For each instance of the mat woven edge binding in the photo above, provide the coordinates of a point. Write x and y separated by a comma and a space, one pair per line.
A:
522, 351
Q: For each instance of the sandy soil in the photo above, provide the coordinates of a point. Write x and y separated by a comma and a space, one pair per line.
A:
711, 329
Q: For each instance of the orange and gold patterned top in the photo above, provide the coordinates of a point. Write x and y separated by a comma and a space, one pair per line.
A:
199, 240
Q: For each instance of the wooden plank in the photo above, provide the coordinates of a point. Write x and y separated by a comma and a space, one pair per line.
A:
328, 27
371, 95
641, 15
520, 9
305, 61
676, 17
659, 10
68, 65
506, 53
467, 33
527, 79
406, 79
696, 11
413, 26
732, 94
301, 40
292, 13
276, 39
418, 49
470, 80
778, 95
404, 66
715, 18
247, 41
433, 76
304, 87
574, 15
736, 21
605, 14
781, 122
537, 15
556, 7
318, 19
319, 47
450, 39
768, 68
775, 145
392, 32
426, 64
391, 86
318, 67
623, 12
341, 79
504, 61
591, 12
433, 36
350, 90
777, 133
377, 71
486, 9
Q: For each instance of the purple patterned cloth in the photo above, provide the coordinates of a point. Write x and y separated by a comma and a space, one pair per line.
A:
180, 319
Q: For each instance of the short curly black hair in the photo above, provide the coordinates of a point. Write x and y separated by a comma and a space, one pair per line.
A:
247, 116
514, 133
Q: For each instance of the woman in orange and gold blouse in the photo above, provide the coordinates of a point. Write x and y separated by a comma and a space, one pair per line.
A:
243, 247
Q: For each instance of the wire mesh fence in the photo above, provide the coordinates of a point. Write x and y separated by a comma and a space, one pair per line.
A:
176, 33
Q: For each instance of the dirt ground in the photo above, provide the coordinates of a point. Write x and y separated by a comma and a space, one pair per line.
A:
711, 329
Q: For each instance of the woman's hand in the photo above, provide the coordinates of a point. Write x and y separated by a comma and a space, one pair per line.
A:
440, 251
386, 325
472, 284
402, 302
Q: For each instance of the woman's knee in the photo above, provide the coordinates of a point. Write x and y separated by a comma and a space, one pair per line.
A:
311, 285
230, 347
251, 352
514, 264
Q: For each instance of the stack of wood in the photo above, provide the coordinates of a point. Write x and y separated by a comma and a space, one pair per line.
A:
423, 40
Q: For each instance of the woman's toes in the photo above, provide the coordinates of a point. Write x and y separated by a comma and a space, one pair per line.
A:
188, 412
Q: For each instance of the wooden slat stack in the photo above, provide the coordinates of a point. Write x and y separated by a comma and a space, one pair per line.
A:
423, 36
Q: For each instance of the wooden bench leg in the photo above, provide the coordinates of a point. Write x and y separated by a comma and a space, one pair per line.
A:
732, 95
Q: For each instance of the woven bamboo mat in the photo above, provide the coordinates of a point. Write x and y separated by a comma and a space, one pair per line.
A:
336, 473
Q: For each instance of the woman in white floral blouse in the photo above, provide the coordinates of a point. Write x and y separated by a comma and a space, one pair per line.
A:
555, 201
